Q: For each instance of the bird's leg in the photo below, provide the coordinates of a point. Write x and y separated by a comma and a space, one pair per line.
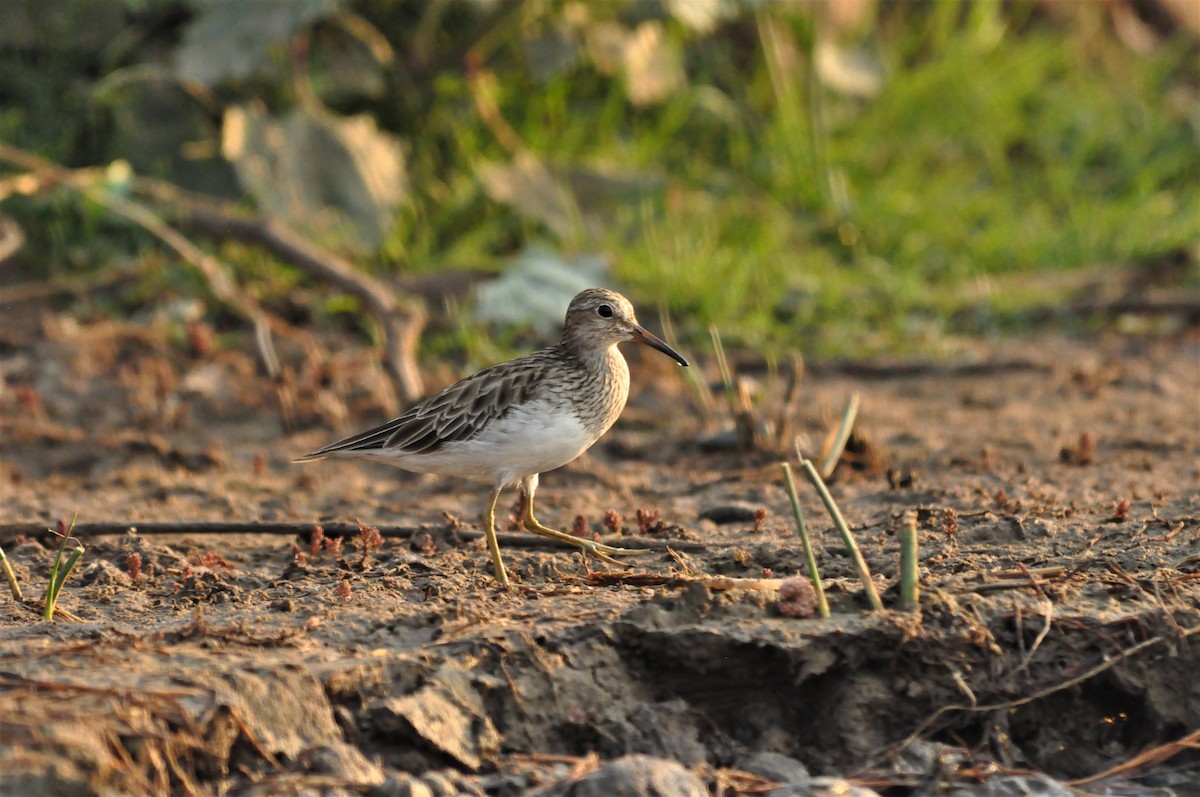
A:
489, 530
596, 549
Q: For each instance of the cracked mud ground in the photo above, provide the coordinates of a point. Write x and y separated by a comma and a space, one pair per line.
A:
1057, 489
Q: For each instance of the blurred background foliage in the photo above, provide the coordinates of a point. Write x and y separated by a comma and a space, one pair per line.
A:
846, 178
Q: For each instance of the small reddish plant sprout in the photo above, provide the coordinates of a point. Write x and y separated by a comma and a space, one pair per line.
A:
1121, 511
316, 540
343, 591
1001, 499
648, 520
760, 515
1082, 453
369, 539
133, 566
212, 560
949, 521
334, 546
612, 522
580, 527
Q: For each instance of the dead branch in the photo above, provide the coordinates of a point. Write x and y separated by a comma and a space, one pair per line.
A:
715, 583
1106, 664
47, 173
73, 285
154, 527
1155, 755
401, 320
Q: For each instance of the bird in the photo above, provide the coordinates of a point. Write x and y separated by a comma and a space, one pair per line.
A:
515, 420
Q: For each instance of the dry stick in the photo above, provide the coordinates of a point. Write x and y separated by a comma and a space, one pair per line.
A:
810, 560
864, 574
222, 285
218, 278
909, 591
13, 585
715, 583
1106, 664
849, 414
998, 586
149, 527
1155, 755
401, 321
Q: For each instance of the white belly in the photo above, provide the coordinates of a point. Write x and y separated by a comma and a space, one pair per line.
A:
532, 438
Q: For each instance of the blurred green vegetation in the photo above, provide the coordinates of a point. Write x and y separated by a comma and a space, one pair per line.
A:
915, 187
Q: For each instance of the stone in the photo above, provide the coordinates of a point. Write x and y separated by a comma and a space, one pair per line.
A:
639, 776
776, 767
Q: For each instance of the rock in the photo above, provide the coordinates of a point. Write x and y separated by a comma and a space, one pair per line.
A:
447, 714
671, 730
824, 787
439, 784
401, 785
25, 772
286, 710
797, 597
346, 762
732, 512
776, 767
1013, 786
102, 573
697, 597
639, 776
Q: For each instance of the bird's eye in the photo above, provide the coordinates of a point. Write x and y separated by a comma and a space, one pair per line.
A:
604, 311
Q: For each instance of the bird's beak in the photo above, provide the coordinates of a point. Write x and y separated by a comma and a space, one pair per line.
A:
642, 336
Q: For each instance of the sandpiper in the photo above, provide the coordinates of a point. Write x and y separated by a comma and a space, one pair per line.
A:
513, 421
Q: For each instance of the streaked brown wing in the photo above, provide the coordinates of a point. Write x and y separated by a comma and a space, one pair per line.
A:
457, 413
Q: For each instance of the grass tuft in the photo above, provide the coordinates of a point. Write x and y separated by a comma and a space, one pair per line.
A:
61, 569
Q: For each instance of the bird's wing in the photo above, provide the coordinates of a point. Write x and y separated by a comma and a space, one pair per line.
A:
457, 413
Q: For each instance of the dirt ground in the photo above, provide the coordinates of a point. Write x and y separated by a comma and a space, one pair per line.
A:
1057, 487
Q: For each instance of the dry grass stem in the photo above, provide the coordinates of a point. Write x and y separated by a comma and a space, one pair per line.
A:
13, 585
838, 446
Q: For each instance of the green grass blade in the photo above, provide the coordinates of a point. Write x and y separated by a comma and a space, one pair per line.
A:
909, 593
809, 558
864, 574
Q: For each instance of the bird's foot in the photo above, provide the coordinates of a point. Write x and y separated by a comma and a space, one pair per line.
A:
601, 551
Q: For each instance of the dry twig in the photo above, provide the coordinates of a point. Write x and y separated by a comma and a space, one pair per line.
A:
1155, 755
401, 321
1106, 664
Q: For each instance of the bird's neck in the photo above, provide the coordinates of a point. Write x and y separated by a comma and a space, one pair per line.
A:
606, 363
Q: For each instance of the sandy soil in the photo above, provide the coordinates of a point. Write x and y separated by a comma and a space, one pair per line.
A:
1057, 488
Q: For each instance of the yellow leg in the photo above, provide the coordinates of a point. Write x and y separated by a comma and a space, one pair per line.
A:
489, 529
590, 547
